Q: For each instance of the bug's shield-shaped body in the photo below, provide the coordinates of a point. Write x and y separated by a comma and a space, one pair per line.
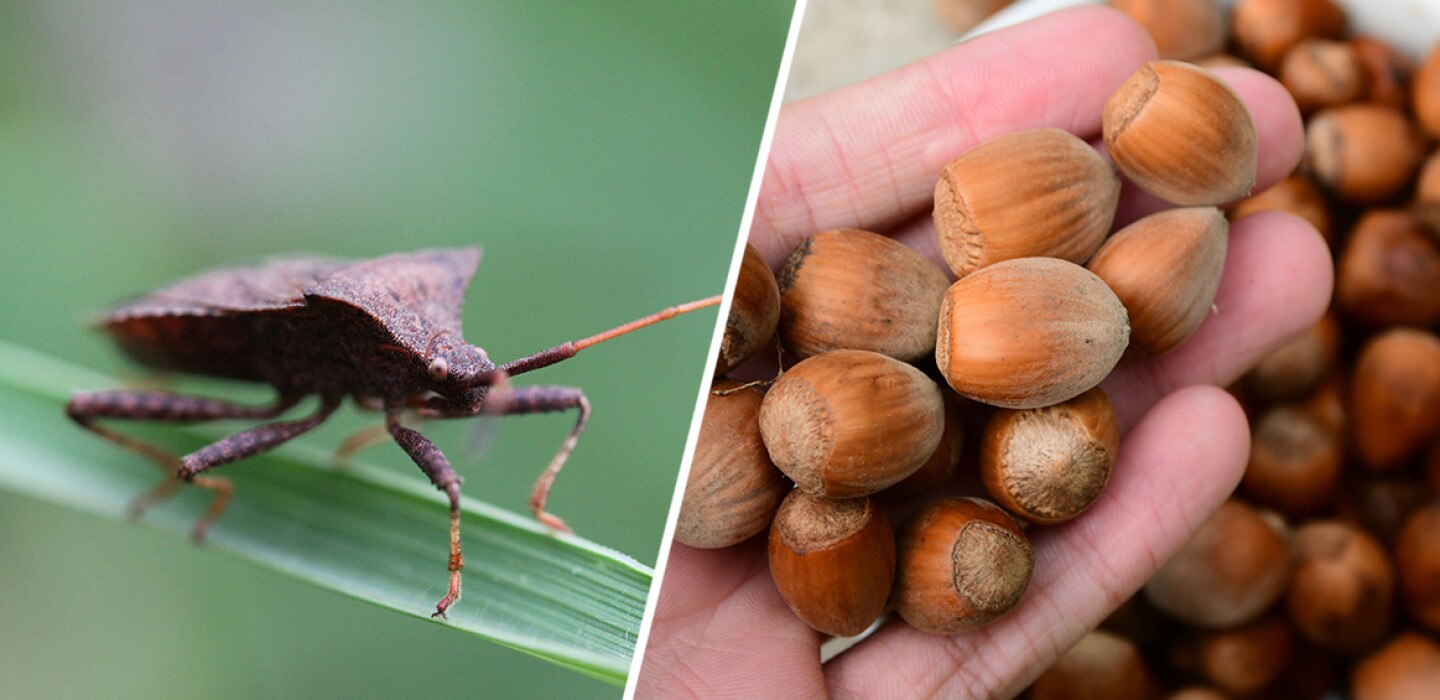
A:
310, 325
384, 331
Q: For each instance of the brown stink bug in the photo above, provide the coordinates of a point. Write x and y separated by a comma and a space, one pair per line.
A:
385, 332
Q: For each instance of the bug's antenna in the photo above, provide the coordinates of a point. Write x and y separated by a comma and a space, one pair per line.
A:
566, 351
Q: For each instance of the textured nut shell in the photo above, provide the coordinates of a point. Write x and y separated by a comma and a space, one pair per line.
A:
833, 561
1245, 660
1165, 268
1181, 134
1417, 560
1101, 666
1406, 668
733, 488
1047, 465
1030, 332
1395, 397
1363, 153
1320, 73
1182, 29
1232, 569
1389, 272
1425, 93
850, 423
753, 313
1342, 593
1041, 192
852, 289
1265, 29
963, 563
1294, 462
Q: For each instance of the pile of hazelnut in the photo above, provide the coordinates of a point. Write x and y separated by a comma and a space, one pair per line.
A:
1321, 576
1045, 305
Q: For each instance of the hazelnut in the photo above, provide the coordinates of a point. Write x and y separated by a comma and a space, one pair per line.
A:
1265, 29
962, 564
1243, 661
754, 311
1004, 341
733, 488
1389, 271
1395, 397
850, 423
1327, 406
1406, 668
856, 290
1101, 666
1232, 569
833, 561
1181, 134
1182, 29
1298, 367
1294, 462
1425, 93
1296, 194
1165, 268
1417, 561
1321, 73
1047, 465
1363, 153
1342, 592
1386, 72
1041, 192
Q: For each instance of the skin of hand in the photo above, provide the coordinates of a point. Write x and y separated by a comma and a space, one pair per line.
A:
867, 157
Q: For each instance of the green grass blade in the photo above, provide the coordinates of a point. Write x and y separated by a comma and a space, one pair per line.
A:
363, 532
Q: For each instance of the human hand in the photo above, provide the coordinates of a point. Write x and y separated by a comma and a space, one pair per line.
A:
867, 157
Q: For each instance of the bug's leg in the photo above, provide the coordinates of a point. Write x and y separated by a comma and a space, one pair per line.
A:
433, 462
544, 399
248, 443
87, 407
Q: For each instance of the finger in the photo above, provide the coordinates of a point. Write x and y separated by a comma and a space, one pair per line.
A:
720, 629
1276, 284
1279, 138
868, 156
1175, 468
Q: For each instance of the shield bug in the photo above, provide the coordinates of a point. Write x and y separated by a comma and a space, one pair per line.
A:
384, 332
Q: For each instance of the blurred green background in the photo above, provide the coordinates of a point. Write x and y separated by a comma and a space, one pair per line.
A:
599, 152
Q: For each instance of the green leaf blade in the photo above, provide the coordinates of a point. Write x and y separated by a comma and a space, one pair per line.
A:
360, 531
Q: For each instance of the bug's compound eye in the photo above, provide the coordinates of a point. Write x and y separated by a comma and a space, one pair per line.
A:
439, 369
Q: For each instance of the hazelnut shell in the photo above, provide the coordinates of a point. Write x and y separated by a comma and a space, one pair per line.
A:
1341, 596
1165, 268
754, 311
1233, 568
1048, 465
850, 423
1029, 332
1181, 134
963, 563
1395, 397
856, 290
1041, 192
733, 489
833, 561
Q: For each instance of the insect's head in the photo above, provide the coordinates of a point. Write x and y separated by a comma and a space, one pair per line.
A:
457, 376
